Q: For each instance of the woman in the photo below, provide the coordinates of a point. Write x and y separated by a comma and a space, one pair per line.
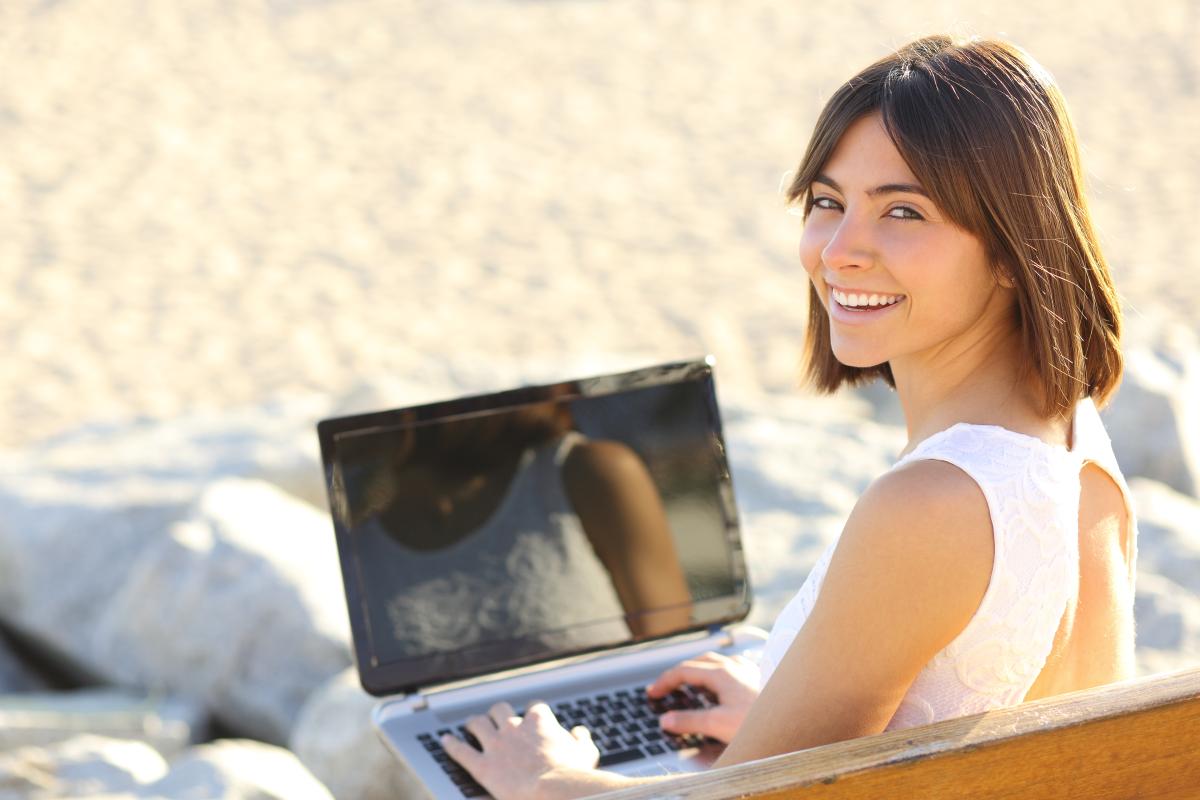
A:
951, 254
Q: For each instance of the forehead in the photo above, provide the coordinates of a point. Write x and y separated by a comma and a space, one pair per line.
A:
866, 154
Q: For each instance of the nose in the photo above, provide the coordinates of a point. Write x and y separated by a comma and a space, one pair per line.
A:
849, 246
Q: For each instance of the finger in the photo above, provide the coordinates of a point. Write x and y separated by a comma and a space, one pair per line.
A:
584, 737
503, 714
481, 727
683, 722
539, 712
462, 752
695, 672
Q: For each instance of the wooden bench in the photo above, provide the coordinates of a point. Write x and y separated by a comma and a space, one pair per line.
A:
1135, 739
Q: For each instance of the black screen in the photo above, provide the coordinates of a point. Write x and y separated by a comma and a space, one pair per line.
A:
502, 530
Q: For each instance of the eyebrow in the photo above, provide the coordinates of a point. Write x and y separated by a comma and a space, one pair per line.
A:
886, 188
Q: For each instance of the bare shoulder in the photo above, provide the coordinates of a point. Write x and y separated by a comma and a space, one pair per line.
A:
927, 505
919, 544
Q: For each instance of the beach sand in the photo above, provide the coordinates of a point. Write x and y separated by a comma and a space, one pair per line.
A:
213, 203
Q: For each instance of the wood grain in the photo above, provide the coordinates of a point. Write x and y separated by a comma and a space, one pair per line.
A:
1134, 739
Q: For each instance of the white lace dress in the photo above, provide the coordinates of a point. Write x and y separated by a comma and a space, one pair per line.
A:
1032, 492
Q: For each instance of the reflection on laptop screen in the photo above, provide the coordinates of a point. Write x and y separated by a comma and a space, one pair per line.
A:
572, 521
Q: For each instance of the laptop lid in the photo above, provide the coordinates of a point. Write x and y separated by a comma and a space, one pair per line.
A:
501, 530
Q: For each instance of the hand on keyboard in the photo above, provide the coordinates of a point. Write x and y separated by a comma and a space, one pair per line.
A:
510, 753
732, 683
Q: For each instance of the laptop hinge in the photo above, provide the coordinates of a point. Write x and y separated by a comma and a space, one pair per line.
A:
591, 663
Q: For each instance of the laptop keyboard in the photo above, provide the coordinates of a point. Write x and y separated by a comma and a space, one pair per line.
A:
624, 726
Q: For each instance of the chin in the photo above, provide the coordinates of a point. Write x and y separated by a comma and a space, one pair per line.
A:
858, 360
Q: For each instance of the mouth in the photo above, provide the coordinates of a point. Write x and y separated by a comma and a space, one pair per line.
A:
863, 303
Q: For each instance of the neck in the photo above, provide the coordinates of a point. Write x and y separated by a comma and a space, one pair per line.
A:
976, 378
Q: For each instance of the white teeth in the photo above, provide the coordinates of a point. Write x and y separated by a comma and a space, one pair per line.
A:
862, 300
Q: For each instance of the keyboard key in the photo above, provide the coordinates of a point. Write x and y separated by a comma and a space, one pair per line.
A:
620, 757
655, 749
461, 779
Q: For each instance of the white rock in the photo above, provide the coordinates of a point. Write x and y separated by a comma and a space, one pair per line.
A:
84, 766
248, 610
1154, 419
1168, 591
114, 769
237, 770
168, 724
334, 738
124, 549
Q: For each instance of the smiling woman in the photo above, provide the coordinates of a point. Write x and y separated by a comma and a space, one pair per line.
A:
951, 254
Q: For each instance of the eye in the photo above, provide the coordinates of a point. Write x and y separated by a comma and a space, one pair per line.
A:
827, 203
904, 212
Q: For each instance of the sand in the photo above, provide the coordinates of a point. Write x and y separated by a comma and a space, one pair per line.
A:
213, 203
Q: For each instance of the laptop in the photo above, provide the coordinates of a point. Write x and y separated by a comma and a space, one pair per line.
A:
564, 543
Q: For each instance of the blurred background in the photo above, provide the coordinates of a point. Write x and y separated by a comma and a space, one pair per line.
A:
209, 203
221, 220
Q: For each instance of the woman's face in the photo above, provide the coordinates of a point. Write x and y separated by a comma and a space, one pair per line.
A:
897, 278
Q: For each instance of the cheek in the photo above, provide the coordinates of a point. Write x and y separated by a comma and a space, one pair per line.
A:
812, 242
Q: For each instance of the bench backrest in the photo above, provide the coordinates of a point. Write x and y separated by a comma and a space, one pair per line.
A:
1135, 739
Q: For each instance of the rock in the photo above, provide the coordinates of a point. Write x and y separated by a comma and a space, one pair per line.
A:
1167, 607
113, 769
123, 549
248, 611
1168, 534
237, 770
83, 766
168, 724
1154, 419
15, 674
1167, 619
334, 738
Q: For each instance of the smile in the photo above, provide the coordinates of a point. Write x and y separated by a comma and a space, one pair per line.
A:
862, 300
859, 308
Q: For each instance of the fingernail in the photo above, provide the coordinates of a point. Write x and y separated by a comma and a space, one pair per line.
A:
666, 720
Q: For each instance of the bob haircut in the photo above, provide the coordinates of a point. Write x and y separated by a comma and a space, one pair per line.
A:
986, 132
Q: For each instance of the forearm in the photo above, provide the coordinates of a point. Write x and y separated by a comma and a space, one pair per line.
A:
570, 784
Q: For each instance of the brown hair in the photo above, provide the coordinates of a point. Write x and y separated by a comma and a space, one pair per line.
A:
986, 131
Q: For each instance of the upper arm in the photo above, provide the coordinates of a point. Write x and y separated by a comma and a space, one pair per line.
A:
1106, 569
622, 514
910, 569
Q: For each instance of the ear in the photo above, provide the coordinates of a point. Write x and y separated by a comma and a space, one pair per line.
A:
1004, 277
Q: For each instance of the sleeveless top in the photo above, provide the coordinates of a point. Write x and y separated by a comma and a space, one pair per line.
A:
528, 573
1032, 492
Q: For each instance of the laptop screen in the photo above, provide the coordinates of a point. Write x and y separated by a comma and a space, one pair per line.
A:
501, 530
